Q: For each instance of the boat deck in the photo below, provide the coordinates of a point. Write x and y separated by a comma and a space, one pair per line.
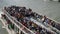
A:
20, 15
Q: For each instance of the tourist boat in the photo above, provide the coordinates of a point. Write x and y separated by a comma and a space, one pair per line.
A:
26, 21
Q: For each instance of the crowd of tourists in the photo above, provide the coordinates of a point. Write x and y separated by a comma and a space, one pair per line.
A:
23, 15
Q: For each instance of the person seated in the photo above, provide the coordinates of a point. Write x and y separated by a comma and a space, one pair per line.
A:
43, 31
3, 16
8, 21
39, 28
37, 32
27, 13
33, 26
32, 14
57, 26
49, 22
52, 23
24, 23
48, 32
43, 19
23, 9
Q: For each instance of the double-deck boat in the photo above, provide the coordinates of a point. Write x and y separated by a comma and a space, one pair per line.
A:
20, 20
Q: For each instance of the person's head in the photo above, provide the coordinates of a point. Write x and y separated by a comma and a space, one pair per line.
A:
30, 9
24, 7
13, 6
5, 7
45, 16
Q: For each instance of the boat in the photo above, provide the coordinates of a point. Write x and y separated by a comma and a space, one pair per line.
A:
27, 22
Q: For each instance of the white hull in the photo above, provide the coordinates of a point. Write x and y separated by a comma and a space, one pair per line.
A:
6, 27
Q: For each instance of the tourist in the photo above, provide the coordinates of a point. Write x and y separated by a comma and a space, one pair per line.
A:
37, 32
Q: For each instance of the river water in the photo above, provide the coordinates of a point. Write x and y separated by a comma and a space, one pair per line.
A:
48, 8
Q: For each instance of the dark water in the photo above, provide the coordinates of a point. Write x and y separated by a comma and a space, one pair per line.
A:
49, 8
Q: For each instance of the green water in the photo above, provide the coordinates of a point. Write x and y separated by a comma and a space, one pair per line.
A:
49, 8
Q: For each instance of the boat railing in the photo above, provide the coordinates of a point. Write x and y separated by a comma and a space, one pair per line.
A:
16, 22
6, 26
50, 18
25, 27
54, 20
49, 26
54, 29
55, 23
39, 24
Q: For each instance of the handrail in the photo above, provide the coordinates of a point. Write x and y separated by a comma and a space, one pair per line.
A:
42, 25
34, 22
19, 23
51, 27
54, 20
4, 21
15, 24
50, 18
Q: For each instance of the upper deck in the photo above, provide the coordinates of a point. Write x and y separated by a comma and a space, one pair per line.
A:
18, 13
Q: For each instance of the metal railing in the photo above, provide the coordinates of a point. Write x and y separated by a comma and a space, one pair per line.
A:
48, 26
18, 24
40, 24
